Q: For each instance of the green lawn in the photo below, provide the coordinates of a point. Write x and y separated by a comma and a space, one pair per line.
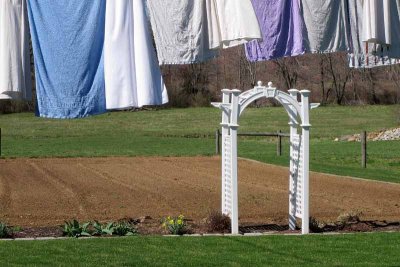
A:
378, 249
188, 132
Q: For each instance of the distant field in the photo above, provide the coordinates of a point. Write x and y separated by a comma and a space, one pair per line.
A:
377, 249
190, 132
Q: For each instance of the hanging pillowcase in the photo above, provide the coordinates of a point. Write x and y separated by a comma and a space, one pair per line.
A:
15, 71
132, 74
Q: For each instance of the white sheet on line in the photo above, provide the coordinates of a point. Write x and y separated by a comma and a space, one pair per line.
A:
326, 25
180, 31
231, 23
376, 21
132, 74
15, 71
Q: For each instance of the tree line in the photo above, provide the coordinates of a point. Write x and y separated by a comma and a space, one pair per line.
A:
326, 75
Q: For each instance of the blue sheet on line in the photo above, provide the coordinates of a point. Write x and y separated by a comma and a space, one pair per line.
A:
68, 38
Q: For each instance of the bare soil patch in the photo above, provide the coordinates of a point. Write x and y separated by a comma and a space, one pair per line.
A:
46, 192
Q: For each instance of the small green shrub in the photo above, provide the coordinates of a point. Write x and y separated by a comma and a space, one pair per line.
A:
75, 229
120, 228
175, 226
4, 230
218, 222
124, 229
103, 229
17, 229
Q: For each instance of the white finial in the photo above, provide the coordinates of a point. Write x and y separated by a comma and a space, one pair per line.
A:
270, 84
259, 83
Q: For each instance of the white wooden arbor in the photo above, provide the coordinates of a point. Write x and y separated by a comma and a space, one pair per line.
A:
233, 104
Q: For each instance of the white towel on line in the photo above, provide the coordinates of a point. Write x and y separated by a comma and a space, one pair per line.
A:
132, 74
15, 71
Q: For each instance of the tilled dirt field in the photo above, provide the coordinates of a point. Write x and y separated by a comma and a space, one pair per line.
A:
46, 192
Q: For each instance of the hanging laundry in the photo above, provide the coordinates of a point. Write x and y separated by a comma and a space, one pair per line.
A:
15, 70
282, 29
132, 74
327, 25
231, 23
373, 54
376, 21
180, 30
68, 39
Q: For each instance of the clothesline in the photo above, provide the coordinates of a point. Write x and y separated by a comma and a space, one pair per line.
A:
91, 56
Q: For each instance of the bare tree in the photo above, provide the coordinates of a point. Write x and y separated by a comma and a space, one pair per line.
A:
288, 70
252, 71
195, 78
246, 72
325, 92
368, 77
249, 68
340, 74
394, 75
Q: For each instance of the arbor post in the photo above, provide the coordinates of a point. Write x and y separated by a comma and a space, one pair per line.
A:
234, 161
226, 99
293, 131
305, 109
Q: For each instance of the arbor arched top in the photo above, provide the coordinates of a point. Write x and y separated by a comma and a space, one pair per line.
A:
289, 102
234, 101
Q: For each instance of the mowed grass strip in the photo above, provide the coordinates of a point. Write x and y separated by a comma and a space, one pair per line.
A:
340, 158
190, 132
374, 249
327, 122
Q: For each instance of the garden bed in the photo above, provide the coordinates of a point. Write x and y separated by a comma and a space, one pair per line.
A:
40, 194
152, 227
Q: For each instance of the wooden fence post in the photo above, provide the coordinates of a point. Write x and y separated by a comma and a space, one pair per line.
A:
279, 134
217, 142
279, 144
0, 142
364, 149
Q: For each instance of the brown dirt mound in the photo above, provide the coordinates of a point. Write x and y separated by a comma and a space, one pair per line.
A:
46, 192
